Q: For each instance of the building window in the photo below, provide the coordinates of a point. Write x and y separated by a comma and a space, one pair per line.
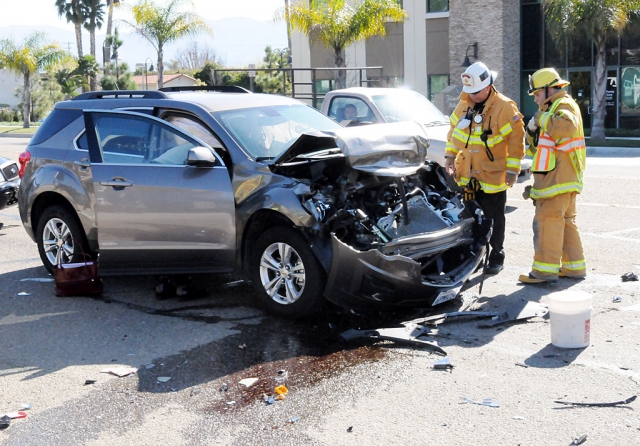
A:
437, 5
437, 83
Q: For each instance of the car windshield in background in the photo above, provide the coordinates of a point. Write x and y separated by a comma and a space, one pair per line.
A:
409, 106
266, 132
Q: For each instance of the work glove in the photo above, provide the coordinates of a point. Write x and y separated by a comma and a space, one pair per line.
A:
449, 165
527, 194
532, 126
511, 179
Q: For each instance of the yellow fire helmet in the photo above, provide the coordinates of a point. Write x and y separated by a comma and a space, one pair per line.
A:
545, 77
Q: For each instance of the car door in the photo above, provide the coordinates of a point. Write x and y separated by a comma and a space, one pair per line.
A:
154, 211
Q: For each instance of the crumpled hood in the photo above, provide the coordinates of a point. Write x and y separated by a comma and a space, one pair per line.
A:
383, 149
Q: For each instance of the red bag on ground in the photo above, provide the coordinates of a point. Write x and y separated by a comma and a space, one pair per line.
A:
77, 279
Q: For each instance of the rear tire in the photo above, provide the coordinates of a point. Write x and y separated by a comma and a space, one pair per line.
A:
60, 238
286, 274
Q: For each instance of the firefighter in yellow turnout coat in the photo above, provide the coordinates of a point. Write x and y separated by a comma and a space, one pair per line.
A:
557, 144
484, 149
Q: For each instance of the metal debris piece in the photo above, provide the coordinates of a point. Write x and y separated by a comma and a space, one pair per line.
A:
22, 293
38, 279
516, 313
443, 364
616, 299
520, 364
629, 277
163, 379
579, 440
617, 403
248, 382
408, 333
90, 381
518, 417
440, 318
489, 402
232, 284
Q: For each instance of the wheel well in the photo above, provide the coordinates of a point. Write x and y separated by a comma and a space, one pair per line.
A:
260, 222
44, 201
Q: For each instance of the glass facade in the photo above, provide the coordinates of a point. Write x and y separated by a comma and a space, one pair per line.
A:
437, 5
437, 83
574, 59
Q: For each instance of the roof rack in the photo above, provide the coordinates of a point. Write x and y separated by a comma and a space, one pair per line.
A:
116, 94
218, 88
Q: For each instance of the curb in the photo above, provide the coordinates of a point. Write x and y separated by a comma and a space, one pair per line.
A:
613, 152
16, 135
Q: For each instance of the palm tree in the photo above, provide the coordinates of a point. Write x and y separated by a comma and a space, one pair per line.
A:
35, 54
568, 18
336, 24
73, 11
110, 5
94, 14
164, 24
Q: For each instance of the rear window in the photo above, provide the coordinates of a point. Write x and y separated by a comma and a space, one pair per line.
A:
58, 119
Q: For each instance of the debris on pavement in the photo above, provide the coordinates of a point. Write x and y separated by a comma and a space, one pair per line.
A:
120, 371
617, 403
149, 366
442, 364
269, 399
242, 346
579, 440
5, 421
281, 391
38, 279
295, 419
350, 429
440, 318
518, 417
232, 284
90, 381
408, 333
163, 379
14, 415
23, 293
520, 364
629, 277
282, 376
224, 388
516, 313
616, 299
489, 402
26, 406
248, 382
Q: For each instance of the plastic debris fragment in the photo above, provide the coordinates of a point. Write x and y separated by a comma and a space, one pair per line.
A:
350, 429
518, 417
38, 279
281, 391
89, 381
295, 419
224, 388
579, 440
5, 421
616, 299
489, 402
163, 379
616, 403
120, 371
629, 277
26, 406
248, 382
14, 415
22, 293
443, 364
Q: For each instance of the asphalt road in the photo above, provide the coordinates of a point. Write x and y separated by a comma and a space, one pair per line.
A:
339, 394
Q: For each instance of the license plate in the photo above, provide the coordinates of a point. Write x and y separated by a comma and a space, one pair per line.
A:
445, 296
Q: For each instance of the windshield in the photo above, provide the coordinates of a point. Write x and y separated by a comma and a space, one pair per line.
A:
266, 132
409, 106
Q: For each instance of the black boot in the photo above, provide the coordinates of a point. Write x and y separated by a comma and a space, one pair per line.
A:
496, 262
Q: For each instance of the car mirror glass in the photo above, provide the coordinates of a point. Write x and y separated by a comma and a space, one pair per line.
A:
201, 157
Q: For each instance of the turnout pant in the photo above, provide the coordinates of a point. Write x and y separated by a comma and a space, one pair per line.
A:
493, 206
556, 239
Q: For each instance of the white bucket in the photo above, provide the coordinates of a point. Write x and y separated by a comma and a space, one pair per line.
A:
570, 314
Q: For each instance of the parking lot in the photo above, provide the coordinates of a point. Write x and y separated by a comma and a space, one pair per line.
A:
339, 393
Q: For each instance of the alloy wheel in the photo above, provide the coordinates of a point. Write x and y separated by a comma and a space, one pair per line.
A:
57, 242
282, 273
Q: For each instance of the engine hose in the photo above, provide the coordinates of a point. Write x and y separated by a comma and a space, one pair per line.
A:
403, 196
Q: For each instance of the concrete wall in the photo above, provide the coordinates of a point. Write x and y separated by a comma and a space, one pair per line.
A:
495, 25
387, 51
437, 45
8, 84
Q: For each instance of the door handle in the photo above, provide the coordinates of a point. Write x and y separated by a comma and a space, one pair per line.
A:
117, 183
589, 110
84, 163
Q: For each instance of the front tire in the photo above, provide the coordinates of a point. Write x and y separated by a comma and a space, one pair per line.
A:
60, 238
286, 274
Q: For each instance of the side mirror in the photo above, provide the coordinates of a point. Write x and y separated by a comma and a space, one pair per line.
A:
201, 157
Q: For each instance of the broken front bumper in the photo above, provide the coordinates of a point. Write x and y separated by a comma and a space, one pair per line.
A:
418, 271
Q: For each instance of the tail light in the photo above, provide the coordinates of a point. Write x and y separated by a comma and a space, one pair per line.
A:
23, 159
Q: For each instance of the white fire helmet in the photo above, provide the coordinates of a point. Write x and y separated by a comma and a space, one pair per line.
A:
476, 77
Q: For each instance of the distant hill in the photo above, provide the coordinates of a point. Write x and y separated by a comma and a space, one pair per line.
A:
237, 41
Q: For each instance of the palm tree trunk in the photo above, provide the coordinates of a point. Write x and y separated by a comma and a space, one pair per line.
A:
78, 27
26, 101
286, 8
92, 37
160, 67
600, 84
106, 52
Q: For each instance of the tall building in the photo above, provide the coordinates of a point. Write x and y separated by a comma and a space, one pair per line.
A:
429, 51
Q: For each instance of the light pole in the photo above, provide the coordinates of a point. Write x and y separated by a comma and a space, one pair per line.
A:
146, 78
115, 58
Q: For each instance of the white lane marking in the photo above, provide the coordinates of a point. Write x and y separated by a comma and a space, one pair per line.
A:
602, 205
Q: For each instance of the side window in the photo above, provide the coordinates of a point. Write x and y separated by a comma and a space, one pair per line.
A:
126, 139
350, 109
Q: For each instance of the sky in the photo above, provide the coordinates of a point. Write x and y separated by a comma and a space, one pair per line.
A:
236, 48
43, 12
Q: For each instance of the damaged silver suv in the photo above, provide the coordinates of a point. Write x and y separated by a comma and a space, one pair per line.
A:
172, 182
